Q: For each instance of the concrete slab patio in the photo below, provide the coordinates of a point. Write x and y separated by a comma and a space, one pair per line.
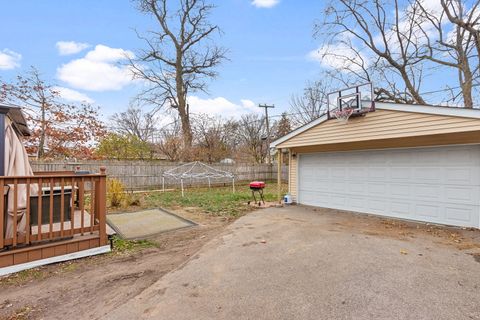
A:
305, 263
146, 223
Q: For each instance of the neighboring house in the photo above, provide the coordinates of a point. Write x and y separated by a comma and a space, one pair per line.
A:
404, 161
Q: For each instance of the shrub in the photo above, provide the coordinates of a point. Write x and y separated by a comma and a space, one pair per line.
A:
115, 192
132, 199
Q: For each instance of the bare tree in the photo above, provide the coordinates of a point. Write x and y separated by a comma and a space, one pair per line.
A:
180, 56
135, 122
251, 131
448, 47
455, 44
211, 138
387, 38
232, 139
311, 104
170, 141
469, 20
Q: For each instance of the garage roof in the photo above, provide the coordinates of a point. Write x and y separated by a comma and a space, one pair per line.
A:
389, 121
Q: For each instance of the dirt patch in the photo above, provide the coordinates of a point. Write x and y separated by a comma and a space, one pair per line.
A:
89, 288
267, 204
476, 256
375, 226
248, 244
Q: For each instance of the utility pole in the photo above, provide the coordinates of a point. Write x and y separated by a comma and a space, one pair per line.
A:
269, 159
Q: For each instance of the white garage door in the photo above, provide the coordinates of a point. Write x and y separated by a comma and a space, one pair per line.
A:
440, 185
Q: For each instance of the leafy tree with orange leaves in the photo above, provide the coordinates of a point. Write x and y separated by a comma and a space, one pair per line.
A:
59, 129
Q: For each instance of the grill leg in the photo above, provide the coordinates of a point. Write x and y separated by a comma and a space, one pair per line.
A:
261, 196
254, 199
260, 193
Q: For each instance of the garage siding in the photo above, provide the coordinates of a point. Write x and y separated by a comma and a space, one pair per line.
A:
440, 185
381, 124
292, 177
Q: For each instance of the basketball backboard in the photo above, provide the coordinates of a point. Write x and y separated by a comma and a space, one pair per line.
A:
350, 102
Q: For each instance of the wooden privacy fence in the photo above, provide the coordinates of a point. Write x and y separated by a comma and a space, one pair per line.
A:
148, 174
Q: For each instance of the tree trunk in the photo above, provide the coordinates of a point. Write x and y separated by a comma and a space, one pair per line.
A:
186, 127
184, 118
466, 84
476, 37
183, 111
41, 142
464, 73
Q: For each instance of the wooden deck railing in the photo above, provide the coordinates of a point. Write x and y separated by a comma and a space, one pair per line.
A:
52, 206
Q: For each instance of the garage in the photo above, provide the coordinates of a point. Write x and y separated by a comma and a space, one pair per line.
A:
396, 160
437, 184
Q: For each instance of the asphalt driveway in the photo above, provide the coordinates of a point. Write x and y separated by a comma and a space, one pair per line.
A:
305, 263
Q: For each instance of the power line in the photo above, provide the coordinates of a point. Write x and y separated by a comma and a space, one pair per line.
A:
449, 89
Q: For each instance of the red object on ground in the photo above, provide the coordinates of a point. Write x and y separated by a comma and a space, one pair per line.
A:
257, 185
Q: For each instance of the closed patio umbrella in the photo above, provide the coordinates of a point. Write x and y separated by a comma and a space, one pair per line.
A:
16, 164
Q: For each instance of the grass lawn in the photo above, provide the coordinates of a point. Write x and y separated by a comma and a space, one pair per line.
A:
217, 200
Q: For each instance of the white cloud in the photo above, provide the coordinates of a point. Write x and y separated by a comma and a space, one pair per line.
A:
73, 95
338, 56
98, 70
222, 107
265, 3
433, 6
70, 47
9, 59
106, 54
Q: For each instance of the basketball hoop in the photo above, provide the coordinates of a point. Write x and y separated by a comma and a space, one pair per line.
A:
342, 115
350, 102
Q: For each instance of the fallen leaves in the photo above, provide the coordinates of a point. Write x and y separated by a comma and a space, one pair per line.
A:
403, 251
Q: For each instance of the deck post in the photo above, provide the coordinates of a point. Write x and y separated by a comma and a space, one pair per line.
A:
101, 199
2, 204
2, 141
279, 175
2, 173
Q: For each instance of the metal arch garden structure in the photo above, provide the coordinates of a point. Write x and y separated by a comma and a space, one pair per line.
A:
196, 170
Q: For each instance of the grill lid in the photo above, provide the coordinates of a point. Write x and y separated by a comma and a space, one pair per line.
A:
257, 184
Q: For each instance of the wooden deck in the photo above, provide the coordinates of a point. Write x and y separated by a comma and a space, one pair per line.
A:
61, 234
67, 225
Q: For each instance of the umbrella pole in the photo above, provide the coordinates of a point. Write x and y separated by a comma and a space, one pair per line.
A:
181, 183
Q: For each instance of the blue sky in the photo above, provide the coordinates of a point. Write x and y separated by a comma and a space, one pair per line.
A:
77, 45
268, 47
